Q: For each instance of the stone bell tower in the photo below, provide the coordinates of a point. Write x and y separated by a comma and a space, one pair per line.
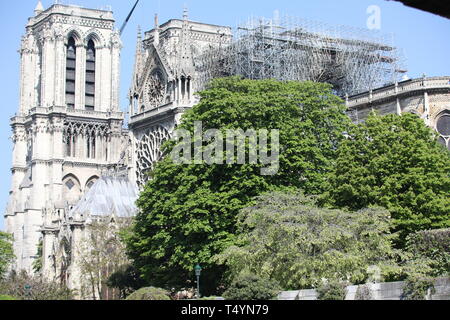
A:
68, 128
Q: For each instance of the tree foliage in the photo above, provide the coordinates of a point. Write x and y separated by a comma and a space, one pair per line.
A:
150, 294
188, 212
126, 279
428, 253
249, 286
101, 255
417, 288
6, 252
37, 263
332, 290
395, 162
295, 242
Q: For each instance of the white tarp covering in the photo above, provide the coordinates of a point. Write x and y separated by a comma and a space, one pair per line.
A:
109, 196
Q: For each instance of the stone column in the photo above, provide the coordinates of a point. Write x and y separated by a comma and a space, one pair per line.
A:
58, 155
189, 90
116, 46
60, 68
78, 244
48, 68
48, 271
27, 72
426, 109
80, 76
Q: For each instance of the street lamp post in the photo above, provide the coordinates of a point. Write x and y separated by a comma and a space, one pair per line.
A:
27, 288
198, 271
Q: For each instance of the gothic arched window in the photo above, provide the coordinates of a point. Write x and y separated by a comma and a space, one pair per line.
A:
71, 73
70, 140
443, 127
90, 146
90, 76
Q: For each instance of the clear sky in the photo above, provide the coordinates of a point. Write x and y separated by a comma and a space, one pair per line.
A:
424, 38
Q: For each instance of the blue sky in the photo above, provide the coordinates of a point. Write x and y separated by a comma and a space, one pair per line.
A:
424, 38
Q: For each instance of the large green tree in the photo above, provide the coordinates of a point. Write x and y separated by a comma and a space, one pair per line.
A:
188, 212
287, 237
395, 162
6, 252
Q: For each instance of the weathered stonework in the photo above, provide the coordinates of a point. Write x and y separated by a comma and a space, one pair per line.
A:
427, 97
60, 151
164, 84
73, 161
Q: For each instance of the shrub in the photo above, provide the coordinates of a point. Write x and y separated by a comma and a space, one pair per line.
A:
287, 237
431, 248
150, 293
26, 287
127, 280
416, 288
332, 290
251, 287
6, 252
364, 293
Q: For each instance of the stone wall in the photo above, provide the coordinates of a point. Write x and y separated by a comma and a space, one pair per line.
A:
379, 291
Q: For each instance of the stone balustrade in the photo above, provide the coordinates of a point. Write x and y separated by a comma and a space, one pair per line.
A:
67, 112
399, 89
151, 113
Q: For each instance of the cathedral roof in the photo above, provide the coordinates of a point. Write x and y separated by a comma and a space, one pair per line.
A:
109, 196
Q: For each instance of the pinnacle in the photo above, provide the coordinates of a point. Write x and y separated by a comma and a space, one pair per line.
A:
39, 8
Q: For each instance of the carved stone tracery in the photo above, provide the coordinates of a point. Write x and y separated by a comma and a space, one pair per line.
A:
155, 90
149, 152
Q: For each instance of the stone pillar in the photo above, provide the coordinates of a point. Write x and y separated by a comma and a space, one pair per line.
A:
426, 109
60, 69
189, 90
58, 155
80, 76
104, 65
78, 244
48, 270
48, 69
28, 53
98, 77
115, 69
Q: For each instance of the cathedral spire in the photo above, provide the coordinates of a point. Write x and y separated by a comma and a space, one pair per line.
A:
185, 44
39, 8
156, 37
138, 58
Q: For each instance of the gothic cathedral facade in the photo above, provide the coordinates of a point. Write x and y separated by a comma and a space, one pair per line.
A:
68, 131
73, 160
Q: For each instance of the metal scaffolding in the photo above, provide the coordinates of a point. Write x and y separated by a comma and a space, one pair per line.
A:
352, 60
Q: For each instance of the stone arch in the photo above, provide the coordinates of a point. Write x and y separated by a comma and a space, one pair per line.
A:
71, 189
442, 127
75, 34
438, 117
148, 151
96, 36
90, 182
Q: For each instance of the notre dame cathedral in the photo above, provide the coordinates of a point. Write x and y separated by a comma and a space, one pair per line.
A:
73, 160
